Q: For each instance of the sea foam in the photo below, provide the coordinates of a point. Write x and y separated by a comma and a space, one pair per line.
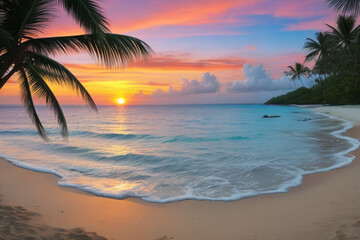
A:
173, 153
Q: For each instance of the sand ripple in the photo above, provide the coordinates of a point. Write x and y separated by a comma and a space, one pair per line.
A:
17, 223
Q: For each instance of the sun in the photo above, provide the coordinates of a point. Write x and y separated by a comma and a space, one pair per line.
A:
121, 101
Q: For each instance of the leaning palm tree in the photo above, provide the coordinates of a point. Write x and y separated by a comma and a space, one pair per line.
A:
319, 48
298, 71
346, 33
21, 21
351, 7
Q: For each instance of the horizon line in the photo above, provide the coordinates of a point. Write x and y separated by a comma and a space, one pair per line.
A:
124, 105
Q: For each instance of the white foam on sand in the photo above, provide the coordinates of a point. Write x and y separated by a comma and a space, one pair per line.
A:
349, 112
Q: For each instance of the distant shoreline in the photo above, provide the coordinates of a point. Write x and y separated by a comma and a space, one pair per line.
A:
195, 104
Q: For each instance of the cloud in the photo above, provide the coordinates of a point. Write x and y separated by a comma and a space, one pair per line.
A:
257, 87
169, 18
228, 13
185, 13
151, 83
178, 61
318, 24
207, 84
251, 47
184, 61
258, 79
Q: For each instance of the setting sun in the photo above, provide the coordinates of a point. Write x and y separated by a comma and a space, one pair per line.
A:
121, 101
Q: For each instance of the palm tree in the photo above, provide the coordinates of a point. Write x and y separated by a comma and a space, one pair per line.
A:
346, 33
21, 21
297, 72
319, 48
345, 6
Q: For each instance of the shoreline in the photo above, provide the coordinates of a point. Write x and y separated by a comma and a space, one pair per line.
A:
282, 188
322, 207
348, 124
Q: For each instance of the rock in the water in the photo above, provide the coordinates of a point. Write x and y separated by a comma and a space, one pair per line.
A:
267, 116
305, 120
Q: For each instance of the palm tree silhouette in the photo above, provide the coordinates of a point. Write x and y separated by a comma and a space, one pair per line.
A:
346, 6
298, 71
346, 32
319, 48
21, 21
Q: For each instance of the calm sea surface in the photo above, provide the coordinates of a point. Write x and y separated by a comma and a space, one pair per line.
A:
169, 153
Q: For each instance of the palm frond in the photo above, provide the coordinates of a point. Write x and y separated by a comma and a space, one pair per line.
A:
346, 32
297, 72
346, 23
88, 14
5, 41
298, 67
116, 50
24, 18
306, 69
292, 69
55, 72
313, 47
312, 55
42, 90
345, 6
20, 51
26, 97
334, 31
311, 44
291, 73
3, 64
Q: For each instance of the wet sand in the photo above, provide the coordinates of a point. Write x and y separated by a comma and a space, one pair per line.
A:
325, 206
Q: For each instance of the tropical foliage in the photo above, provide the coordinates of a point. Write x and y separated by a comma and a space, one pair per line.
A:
346, 6
336, 71
298, 72
318, 48
24, 53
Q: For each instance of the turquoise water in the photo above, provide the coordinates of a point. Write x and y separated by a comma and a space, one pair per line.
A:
170, 153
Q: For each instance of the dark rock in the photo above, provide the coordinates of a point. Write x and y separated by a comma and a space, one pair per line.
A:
266, 116
304, 120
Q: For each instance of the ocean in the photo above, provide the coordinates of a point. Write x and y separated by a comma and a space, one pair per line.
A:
178, 152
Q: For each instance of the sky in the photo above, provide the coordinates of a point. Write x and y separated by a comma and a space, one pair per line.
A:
206, 51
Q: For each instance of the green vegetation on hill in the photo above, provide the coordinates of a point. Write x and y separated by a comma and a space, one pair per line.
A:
329, 92
336, 71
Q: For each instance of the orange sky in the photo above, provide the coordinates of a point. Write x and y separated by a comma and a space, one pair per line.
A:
190, 39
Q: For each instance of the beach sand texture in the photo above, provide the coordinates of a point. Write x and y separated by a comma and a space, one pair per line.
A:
325, 206
18, 223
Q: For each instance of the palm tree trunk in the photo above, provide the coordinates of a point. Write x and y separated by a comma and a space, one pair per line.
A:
4, 79
308, 82
301, 82
5, 66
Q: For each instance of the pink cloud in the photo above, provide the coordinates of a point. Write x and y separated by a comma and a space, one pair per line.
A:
212, 15
151, 83
168, 32
187, 13
318, 24
300, 9
170, 62
251, 48
278, 64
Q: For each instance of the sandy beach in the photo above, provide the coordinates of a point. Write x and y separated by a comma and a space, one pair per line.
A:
325, 206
